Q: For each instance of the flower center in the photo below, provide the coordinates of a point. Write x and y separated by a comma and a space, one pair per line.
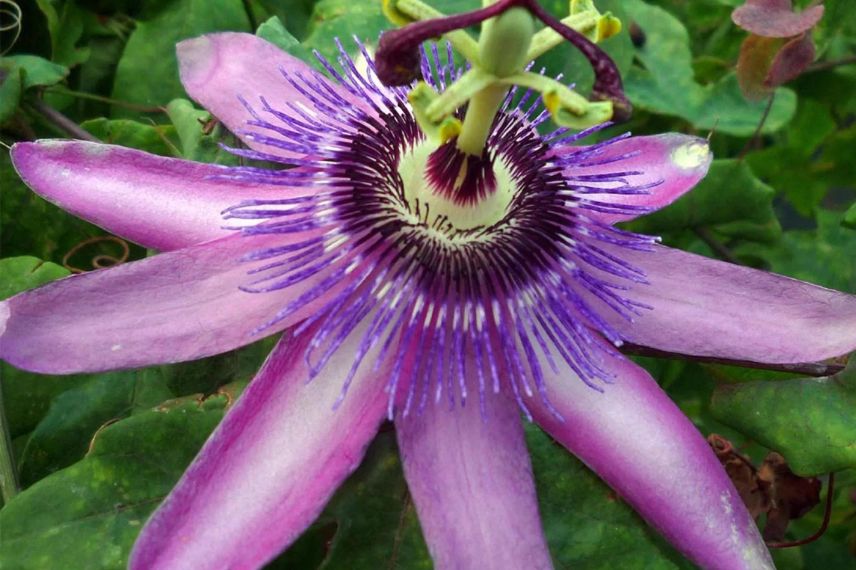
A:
432, 191
489, 268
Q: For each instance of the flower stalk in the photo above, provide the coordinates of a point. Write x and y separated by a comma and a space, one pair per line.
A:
8, 472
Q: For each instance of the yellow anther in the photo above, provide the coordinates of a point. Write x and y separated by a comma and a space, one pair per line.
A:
450, 128
607, 26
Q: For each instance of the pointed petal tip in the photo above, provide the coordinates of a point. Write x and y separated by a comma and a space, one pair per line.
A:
705, 307
664, 166
29, 157
689, 154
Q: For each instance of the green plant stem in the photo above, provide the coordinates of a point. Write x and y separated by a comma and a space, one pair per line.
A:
62, 122
8, 473
480, 113
832, 64
108, 100
718, 248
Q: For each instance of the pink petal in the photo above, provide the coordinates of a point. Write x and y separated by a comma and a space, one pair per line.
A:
269, 468
638, 441
175, 306
666, 167
776, 18
471, 481
162, 203
706, 307
219, 69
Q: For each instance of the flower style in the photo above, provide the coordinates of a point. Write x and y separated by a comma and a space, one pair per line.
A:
450, 305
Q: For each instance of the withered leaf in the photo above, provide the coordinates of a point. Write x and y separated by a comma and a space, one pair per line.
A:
775, 18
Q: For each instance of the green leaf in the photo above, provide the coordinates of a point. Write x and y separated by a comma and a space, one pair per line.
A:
586, 524
665, 83
63, 435
11, 87
148, 69
803, 163
374, 516
40, 228
65, 23
345, 19
295, 14
809, 421
26, 396
275, 32
156, 139
823, 255
38, 71
88, 515
849, 219
730, 200
26, 272
196, 145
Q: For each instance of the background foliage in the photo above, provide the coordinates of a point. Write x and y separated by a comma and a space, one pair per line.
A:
96, 453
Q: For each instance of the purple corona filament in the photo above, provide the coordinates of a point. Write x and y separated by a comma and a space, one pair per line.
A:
502, 298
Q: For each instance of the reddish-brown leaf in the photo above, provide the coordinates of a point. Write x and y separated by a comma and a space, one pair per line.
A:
753, 65
771, 489
775, 18
794, 57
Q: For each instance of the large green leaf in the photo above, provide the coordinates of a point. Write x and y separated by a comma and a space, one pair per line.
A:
730, 200
805, 162
148, 70
63, 435
65, 21
811, 422
88, 515
375, 504
665, 83
823, 255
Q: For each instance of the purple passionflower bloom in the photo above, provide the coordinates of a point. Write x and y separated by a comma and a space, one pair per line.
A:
401, 297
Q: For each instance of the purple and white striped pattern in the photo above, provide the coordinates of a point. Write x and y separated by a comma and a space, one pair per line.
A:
511, 294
